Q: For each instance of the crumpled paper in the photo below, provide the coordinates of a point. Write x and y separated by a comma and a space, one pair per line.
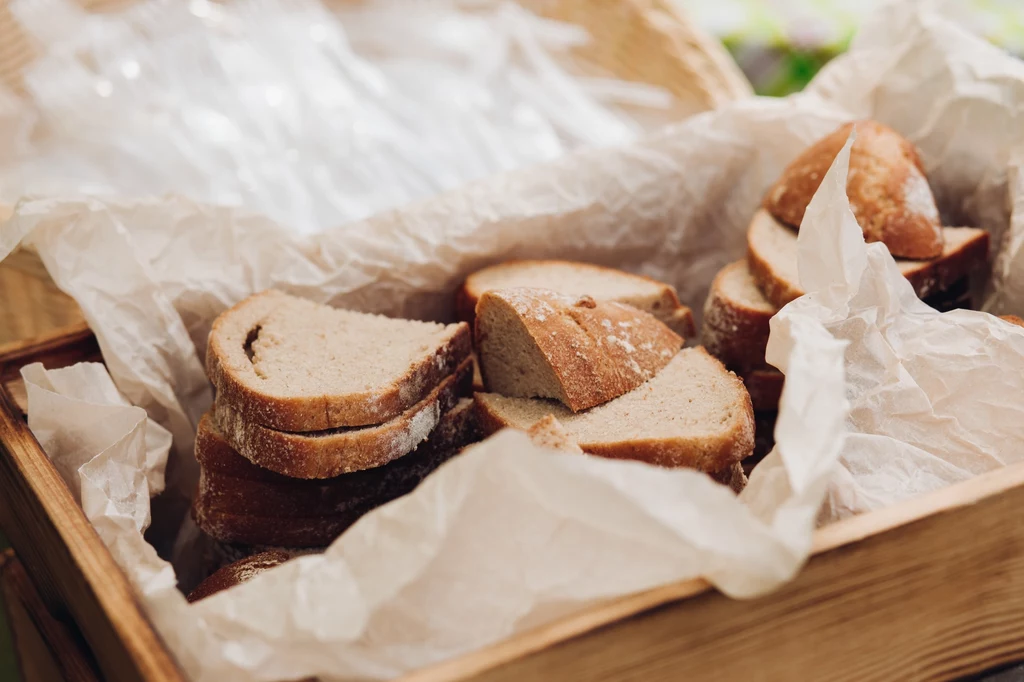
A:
507, 535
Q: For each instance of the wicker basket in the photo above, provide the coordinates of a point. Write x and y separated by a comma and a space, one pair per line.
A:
648, 41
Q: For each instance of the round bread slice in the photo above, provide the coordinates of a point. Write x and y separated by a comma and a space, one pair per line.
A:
772, 259
240, 503
578, 279
239, 572
290, 364
693, 413
328, 453
765, 388
736, 319
887, 188
535, 343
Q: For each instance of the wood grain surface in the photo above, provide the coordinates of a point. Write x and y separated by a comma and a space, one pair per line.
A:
929, 590
47, 649
74, 573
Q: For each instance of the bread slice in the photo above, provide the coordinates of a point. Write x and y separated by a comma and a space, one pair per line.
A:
772, 258
733, 477
578, 279
328, 453
240, 503
736, 319
887, 188
693, 413
535, 343
548, 432
239, 572
290, 364
765, 388
1012, 319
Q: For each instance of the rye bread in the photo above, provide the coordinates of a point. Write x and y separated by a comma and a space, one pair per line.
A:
765, 388
736, 319
290, 364
578, 279
328, 453
535, 343
772, 259
887, 188
693, 413
240, 503
239, 572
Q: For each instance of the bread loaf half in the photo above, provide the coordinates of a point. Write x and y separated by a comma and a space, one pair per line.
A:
240, 503
578, 279
693, 413
290, 364
887, 188
328, 453
772, 258
535, 343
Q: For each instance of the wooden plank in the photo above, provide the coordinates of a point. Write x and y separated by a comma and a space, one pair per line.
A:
928, 590
69, 563
47, 649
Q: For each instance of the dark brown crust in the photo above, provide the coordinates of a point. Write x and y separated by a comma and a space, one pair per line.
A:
720, 452
326, 454
881, 161
765, 388
677, 316
238, 573
241, 503
735, 334
329, 411
764, 439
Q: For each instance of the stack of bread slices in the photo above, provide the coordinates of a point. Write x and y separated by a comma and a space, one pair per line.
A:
320, 415
892, 201
590, 359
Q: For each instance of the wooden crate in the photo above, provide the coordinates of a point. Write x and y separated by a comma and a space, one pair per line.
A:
932, 589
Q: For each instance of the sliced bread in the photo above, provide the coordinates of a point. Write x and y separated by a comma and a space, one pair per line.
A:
239, 572
887, 188
330, 452
732, 477
548, 432
765, 388
736, 319
693, 413
291, 364
772, 258
1012, 319
578, 279
240, 503
535, 343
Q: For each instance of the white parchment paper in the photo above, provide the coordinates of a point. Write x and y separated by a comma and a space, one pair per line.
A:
508, 536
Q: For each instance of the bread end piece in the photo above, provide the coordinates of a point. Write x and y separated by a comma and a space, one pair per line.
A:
535, 343
886, 186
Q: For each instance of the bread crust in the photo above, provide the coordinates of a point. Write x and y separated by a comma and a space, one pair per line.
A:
731, 444
231, 372
240, 503
886, 185
597, 351
239, 572
666, 307
960, 258
325, 454
735, 331
765, 388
